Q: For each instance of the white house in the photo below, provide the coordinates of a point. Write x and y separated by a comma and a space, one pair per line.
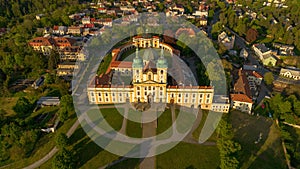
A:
290, 72
220, 104
241, 102
227, 41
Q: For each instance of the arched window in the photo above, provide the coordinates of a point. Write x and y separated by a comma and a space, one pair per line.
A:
162, 71
149, 76
138, 88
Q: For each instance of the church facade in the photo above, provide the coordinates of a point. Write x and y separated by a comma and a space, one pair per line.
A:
149, 80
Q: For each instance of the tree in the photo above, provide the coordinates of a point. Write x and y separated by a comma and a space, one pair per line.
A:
63, 114
67, 103
216, 29
49, 78
23, 106
227, 147
53, 60
251, 35
61, 140
268, 78
63, 160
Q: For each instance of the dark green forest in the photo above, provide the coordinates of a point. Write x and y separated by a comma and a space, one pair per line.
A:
17, 59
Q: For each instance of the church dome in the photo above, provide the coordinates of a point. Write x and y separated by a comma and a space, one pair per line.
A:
162, 61
137, 61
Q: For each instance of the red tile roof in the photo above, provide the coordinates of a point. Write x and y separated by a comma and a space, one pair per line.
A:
190, 87
240, 98
121, 64
257, 75
41, 41
241, 85
252, 73
61, 41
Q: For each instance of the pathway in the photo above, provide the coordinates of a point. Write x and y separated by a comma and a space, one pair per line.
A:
293, 125
149, 130
54, 150
124, 124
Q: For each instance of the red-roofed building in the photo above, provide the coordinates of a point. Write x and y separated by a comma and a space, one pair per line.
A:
241, 102
62, 42
189, 31
42, 44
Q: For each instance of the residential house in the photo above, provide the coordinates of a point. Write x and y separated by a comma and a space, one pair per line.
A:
203, 21
241, 85
104, 21
254, 76
71, 53
75, 30
269, 60
264, 54
244, 54
201, 13
284, 50
59, 30
39, 16
102, 10
227, 41
86, 20
66, 68
220, 104
290, 72
189, 31
62, 42
241, 102
42, 44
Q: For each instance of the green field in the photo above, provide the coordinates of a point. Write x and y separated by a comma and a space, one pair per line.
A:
267, 153
7, 104
113, 117
134, 129
164, 122
196, 133
186, 155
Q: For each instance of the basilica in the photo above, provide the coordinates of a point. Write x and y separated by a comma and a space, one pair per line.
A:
146, 78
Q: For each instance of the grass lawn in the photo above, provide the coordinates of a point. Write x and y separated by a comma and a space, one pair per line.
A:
196, 133
186, 155
113, 117
164, 122
268, 153
131, 163
45, 144
7, 104
134, 129
263, 111
90, 155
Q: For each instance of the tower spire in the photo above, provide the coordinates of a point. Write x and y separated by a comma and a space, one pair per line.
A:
136, 52
162, 53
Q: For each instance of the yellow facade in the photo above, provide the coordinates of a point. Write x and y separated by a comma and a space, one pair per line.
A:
149, 83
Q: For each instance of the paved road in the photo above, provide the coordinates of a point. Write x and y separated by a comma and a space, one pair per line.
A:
124, 124
149, 130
